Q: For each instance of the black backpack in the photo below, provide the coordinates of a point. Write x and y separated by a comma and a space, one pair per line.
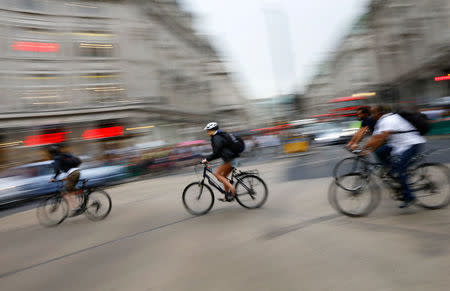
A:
71, 160
418, 120
237, 144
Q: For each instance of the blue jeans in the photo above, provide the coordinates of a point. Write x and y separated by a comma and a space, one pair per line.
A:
383, 155
400, 164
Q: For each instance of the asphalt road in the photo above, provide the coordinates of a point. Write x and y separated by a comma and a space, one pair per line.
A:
295, 242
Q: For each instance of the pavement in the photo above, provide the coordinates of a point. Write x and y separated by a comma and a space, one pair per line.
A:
295, 242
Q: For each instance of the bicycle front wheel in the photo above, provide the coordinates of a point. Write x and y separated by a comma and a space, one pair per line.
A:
251, 191
349, 167
198, 198
432, 185
356, 203
98, 205
52, 211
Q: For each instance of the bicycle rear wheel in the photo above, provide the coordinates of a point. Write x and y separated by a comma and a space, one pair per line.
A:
356, 203
198, 198
52, 211
251, 191
98, 205
432, 185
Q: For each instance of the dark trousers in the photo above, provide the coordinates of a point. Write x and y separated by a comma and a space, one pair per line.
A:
383, 155
400, 164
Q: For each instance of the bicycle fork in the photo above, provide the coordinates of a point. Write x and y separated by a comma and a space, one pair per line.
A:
202, 183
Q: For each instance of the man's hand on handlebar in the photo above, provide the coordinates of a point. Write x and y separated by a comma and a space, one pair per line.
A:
204, 161
351, 146
354, 146
361, 153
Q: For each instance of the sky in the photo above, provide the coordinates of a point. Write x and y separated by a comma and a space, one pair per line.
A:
253, 37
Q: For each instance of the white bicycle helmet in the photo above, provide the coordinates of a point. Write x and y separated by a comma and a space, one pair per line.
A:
211, 126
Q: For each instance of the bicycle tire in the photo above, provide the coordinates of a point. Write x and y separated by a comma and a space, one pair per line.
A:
93, 205
201, 192
340, 171
359, 181
51, 205
372, 190
427, 182
240, 196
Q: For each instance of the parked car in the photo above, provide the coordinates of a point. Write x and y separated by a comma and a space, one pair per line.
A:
31, 181
333, 133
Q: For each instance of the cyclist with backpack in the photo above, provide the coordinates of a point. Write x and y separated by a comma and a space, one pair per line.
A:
402, 133
68, 164
228, 147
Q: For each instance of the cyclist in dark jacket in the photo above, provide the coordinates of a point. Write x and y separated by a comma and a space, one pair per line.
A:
62, 165
221, 149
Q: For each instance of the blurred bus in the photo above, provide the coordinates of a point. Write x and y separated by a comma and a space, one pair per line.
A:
347, 106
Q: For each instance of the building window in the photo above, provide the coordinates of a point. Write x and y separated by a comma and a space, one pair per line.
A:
103, 89
95, 44
41, 91
95, 49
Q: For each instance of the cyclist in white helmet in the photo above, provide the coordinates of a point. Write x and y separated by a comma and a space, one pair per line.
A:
221, 149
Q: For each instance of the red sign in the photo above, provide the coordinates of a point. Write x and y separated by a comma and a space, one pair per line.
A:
28, 46
104, 132
346, 99
351, 108
43, 139
442, 78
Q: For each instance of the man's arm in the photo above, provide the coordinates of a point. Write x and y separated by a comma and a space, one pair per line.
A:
353, 138
361, 133
376, 141
217, 150
57, 168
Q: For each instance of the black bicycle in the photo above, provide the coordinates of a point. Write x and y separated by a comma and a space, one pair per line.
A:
95, 203
251, 191
354, 191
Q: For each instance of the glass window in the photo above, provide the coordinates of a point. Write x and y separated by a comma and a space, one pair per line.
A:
100, 89
40, 91
95, 44
95, 49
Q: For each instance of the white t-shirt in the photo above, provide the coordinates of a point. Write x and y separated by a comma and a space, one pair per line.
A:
399, 142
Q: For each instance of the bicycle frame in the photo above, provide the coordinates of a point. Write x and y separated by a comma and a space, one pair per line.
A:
81, 193
234, 175
389, 181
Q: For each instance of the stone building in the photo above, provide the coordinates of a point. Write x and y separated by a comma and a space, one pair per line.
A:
395, 49
412, 44
134, 69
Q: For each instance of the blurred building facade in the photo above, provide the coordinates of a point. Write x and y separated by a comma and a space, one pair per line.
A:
274, 110
412, 44
134, 69
350, 69
395, 50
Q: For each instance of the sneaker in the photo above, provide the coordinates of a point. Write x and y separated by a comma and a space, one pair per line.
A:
228, 198
407, 202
